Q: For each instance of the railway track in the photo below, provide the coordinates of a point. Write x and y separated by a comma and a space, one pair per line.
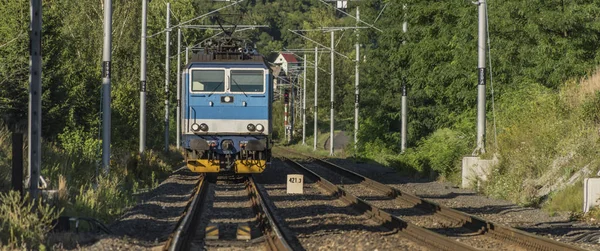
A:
227, 213
407, 230
463, 227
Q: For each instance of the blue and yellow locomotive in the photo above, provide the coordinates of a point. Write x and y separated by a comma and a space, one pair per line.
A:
226, 122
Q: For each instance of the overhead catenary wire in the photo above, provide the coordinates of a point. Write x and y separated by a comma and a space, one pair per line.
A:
309, 39
381, 12
313, 64
195, 18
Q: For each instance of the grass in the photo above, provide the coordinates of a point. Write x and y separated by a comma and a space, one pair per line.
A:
24, 224
568, 199
544, 138
72, 165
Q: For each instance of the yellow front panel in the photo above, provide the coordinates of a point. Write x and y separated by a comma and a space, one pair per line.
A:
204, 166
250, 166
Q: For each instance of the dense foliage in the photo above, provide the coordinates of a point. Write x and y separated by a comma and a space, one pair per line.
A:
533, 44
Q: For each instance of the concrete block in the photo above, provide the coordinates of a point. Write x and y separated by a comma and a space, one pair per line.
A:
475, 169
591, 193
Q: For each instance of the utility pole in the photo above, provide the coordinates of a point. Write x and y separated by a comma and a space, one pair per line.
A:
106, 68
316, 99
143, 78
35, 98
178, 116
187, 50
167, 68
481, 79
332, 96
404, 107
356, 81
304, 105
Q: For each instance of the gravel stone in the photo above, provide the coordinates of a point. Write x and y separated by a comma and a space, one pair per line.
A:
148, 224
321, 221
407, 212
227, 205
558, 227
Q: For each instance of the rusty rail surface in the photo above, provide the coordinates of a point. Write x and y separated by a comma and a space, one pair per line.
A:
484, 227
408, 230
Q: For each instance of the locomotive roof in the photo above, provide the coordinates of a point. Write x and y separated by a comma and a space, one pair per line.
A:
227, 57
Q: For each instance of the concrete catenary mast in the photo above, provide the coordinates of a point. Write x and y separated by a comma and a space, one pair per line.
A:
316, 99
356, 81
35, 97
332, 95
143, 78
304, 105
482, 31
106, 68
404, 94
167, 68
178, 114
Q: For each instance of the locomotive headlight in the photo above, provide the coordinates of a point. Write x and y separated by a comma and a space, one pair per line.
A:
195, 127
251, 127
260, 128
204, 127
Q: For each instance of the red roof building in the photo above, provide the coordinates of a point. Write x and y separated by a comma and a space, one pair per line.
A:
288, 62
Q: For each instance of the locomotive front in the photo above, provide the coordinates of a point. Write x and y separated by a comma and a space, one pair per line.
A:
227, 116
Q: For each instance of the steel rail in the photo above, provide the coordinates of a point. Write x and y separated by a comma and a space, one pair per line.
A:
179, 238
522, 238
270, 228
406, 229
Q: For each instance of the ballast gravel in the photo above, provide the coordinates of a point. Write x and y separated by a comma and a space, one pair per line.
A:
320, 221
148, 224
558, 227
227, 204
407, 212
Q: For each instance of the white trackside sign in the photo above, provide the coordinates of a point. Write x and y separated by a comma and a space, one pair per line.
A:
295, 183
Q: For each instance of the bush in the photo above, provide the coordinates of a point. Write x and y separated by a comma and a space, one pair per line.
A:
106, 202
442, 151
24, 224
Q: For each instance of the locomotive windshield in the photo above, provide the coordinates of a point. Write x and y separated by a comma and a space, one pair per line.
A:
247, 81
208, 81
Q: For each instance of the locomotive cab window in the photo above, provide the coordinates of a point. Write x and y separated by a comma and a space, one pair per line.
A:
208, 81
247, 81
